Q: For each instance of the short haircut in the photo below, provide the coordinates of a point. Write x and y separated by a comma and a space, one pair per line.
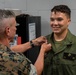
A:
4, 14
63, 9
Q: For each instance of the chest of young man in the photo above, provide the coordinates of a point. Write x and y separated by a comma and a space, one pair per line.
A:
62, 60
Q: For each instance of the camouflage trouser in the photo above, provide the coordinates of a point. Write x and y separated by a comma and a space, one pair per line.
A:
33, 70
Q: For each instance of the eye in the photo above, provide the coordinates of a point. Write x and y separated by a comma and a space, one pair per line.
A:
51, 19
59, 19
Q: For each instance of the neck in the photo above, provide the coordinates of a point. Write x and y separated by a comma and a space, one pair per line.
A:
4, 42
61, 36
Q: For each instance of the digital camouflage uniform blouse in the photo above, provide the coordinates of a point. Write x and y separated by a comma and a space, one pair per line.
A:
12, 63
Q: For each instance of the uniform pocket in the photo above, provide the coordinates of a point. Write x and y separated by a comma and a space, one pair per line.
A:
68, 63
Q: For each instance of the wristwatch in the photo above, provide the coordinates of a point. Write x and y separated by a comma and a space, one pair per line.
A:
32, 44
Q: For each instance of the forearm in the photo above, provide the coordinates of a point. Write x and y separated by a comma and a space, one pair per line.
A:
28, 45
39, 64
22, 47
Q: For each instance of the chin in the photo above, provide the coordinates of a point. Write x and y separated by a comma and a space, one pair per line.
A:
56, 32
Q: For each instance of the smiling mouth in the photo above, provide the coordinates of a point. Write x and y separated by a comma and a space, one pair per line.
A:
56, 27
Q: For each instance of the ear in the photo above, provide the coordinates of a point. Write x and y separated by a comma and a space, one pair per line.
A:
69, 20
7, 30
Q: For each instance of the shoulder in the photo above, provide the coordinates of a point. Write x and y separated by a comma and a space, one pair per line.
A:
73, 37
16, 62
49, 37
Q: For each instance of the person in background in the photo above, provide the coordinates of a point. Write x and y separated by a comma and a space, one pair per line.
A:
12, 61
61, 59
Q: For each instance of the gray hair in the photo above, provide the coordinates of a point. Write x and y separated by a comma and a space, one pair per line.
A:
4, 14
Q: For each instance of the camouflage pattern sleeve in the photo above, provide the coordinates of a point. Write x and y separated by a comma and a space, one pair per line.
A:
33, 70
12, 63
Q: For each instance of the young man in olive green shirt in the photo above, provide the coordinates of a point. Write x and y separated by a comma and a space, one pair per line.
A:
61, 60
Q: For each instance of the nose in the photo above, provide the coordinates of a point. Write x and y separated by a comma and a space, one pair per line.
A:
55, 22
